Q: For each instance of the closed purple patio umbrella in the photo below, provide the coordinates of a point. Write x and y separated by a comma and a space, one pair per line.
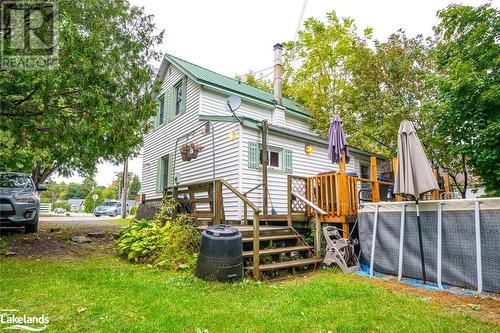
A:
337, 144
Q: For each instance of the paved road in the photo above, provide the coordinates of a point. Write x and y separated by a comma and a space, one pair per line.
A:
85, 220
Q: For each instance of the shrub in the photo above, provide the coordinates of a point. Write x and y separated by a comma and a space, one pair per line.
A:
133, 211
164, 242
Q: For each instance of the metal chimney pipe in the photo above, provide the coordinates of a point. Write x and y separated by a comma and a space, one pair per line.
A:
278, 72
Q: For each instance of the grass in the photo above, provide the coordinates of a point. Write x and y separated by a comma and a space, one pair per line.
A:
106, 294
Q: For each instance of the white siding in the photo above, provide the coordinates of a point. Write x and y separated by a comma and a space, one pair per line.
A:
303, 165
296, 124
278, 117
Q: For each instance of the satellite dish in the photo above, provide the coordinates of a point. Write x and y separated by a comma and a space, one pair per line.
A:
233, 103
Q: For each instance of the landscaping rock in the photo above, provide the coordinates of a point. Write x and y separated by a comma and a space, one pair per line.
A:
80, 239
55, 229
96, 234
10, 253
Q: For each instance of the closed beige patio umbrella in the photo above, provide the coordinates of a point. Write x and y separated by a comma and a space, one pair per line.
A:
414, 175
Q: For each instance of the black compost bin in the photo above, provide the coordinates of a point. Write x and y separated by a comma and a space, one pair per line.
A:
221, 254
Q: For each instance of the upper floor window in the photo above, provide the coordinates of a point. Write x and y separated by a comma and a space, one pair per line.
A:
179, 97
161, 116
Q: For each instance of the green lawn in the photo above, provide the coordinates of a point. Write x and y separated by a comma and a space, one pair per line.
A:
106, 294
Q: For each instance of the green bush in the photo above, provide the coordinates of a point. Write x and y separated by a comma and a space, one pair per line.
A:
167, 243
133, 211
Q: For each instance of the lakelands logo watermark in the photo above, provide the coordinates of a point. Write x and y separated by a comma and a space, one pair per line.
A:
29, 34
12, 320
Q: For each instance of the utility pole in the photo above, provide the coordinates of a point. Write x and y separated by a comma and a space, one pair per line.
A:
264, 159
125, 187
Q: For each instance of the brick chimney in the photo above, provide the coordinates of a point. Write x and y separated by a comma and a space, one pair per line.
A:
278, 72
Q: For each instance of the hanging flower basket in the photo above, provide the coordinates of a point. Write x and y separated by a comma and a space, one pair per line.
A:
185, 151
190, 150
195, 149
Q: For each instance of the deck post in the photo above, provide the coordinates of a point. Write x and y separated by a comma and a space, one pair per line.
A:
447, 185
264, 158
317, 238
245, 212
344, 193
289, 199
374, 179
435, 194
256, 243
394, 170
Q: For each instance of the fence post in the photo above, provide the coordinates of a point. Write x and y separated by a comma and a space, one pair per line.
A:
256, 243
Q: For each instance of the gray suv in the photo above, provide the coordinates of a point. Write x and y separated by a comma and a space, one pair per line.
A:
19, 201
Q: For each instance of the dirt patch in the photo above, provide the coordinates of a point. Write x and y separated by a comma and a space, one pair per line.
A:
55, 241
486, 307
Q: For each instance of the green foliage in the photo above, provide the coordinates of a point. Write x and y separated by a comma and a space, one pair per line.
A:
133, 211
64, 205
134, 184
331, 67
167, 243
95, 105
467, 55
315, 71
89, 202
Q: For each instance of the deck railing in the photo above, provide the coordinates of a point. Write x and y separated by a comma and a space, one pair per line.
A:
256, 225
318, 213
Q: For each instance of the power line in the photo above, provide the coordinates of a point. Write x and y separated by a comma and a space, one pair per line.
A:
300, 20
255, 72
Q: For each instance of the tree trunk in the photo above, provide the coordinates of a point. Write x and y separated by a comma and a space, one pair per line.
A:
41, 174
466, 180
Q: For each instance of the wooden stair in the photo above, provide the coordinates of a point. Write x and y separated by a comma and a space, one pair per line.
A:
281, 251
271, 238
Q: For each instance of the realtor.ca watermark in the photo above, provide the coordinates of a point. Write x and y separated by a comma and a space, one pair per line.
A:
29, 34
11, 319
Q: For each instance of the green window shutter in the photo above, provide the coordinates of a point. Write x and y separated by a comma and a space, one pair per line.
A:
287, 161
159, 175
253, 155
166, 105
170, 175
184, 93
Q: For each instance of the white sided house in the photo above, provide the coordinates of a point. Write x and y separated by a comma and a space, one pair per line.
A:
192, 96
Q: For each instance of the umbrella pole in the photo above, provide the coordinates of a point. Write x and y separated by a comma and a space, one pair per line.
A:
420, 243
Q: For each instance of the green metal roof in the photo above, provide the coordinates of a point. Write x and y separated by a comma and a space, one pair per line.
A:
211, 78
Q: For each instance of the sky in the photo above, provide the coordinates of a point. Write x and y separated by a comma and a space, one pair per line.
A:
236, 36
